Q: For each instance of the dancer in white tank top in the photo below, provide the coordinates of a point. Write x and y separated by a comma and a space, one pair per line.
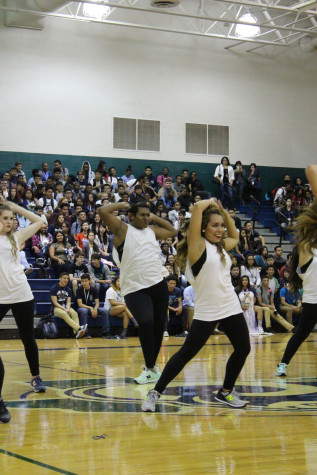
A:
136, 253
208, 270
15, 292
304, 273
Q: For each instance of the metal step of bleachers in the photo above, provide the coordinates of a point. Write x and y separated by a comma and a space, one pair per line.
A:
271, 238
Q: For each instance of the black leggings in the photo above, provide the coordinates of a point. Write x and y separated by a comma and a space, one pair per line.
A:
235, 328
23, 313
1, 375
149, 308
306, 324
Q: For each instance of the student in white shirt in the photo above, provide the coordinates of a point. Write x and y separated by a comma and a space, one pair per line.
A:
116, 306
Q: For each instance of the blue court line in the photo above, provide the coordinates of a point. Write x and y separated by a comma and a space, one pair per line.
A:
35, 462
138, 346
57, 369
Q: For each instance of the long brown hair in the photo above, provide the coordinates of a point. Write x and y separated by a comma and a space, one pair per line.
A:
182, 247
10, 234
305, 232
306, 228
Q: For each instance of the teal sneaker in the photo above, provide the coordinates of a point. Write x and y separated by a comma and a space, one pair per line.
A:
147, 376
281, 369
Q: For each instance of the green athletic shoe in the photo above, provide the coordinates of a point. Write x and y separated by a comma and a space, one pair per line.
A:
147, 376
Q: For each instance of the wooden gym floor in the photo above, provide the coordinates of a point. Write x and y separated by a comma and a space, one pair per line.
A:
90, 421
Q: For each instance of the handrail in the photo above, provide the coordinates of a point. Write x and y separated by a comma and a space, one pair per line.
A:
251, 208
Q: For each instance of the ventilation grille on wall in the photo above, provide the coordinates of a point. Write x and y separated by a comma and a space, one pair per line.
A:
136, 134
207, 139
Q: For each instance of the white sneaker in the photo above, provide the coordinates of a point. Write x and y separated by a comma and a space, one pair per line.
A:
150, 402
260, 330
81, 332
165, 333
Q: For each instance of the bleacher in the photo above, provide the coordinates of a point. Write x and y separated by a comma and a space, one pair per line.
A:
265, 224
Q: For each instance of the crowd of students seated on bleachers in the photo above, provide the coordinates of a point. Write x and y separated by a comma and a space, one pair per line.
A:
73, 242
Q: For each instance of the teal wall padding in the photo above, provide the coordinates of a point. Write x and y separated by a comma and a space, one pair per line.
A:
271, 176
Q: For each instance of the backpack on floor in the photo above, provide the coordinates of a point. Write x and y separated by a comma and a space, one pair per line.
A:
47, 328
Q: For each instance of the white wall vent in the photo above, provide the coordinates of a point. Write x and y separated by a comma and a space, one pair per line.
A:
203, 139
165, 3
136, 134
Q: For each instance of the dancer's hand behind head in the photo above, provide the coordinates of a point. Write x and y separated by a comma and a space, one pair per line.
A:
204, 204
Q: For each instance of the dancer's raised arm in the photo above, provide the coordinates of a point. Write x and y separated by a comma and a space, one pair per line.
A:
36, 221
311, 173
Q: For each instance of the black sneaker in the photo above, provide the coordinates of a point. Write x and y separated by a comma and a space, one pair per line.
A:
4, 413
123, 336
81, 332
182, 335
37, 385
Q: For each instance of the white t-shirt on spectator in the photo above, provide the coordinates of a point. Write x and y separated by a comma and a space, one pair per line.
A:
48, 204
112, 294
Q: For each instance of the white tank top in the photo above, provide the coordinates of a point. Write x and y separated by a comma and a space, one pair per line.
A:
140, 265
14, 287
215, 295
310, 281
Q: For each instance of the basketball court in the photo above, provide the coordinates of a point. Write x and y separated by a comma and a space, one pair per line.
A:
90, 419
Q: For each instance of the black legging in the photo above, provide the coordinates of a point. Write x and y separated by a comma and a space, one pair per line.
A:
1, 375
235, 328
149, 308
306, 324
23, 313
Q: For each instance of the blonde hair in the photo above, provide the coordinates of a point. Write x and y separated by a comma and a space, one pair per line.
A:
10, 234
182, 247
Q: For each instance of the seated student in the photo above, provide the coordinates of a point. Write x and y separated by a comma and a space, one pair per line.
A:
247, 298
236, 219
189, 303
82, 237
260, 259
250, 269
116, 306
171, 249
99, 272
175, 304
266, 301
279, 261
164, 252
273, 282
76, 270
243, 248
291, 302
269, 262
61, 299
256, 240
90, 247
88, 305
235, 275
60, 253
